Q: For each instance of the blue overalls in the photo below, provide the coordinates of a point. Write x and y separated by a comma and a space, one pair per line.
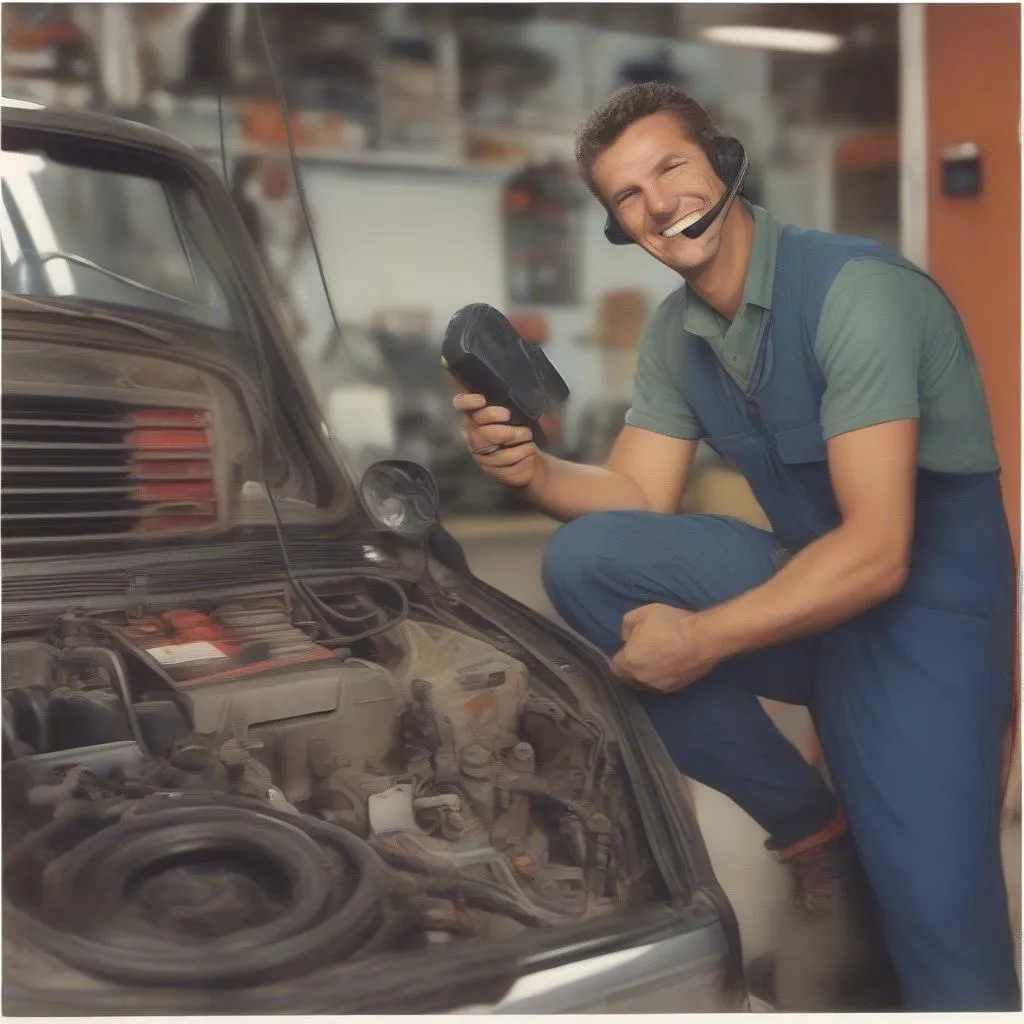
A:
911, 699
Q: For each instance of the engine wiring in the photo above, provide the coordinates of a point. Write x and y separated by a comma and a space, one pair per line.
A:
333, 622
334, 617
119, 676
444, 881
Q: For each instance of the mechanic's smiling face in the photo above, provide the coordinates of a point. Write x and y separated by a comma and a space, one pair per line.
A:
657, 181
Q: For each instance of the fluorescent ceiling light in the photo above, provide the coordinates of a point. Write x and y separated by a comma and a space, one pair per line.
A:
797, 39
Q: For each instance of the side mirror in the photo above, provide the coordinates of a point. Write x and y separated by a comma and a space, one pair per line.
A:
401, 496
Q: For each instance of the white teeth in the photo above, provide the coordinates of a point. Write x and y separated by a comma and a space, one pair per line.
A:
681, 225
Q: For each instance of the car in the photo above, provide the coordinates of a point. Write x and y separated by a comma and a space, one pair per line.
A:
269, 745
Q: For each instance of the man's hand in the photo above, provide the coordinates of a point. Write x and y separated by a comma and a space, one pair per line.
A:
645, 470
662, 649
506, 454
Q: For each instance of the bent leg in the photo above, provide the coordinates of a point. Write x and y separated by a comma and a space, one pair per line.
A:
599, 567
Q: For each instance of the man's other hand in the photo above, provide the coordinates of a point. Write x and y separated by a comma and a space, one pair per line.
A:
662, 649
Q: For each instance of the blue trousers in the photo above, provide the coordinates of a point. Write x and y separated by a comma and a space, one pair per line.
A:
917, 767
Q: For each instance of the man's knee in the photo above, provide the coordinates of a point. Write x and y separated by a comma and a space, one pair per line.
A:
576, 553
691, 560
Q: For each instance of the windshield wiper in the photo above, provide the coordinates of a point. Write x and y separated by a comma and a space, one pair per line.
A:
34, 305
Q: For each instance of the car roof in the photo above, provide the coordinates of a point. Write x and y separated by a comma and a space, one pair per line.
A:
22, 115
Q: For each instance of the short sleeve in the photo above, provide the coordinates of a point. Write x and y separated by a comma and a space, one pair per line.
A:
658, 404
869, 344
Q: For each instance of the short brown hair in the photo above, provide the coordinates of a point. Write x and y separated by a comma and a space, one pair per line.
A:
628, 105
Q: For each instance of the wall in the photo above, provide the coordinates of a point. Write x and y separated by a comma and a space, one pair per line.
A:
434, 241
973, 95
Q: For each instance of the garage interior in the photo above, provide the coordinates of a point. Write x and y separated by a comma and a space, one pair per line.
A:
434, 144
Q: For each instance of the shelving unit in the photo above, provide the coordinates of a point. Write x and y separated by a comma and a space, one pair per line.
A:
586, 58
201, 130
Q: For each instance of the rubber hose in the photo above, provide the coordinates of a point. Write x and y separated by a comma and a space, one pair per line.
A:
109, 863
484, 896
91, 812
125, 646
439, 879
119, 675
314, 931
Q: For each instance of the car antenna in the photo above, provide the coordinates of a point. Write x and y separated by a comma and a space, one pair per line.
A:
331, 619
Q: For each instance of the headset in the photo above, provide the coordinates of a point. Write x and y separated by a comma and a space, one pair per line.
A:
729, 160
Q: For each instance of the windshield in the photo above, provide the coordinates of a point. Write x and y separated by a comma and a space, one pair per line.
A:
92, 234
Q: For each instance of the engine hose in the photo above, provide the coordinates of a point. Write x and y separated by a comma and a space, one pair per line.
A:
78, 813
119, 675
485, 896
437, 879
336, 621
13, 745
88, 893
397, 921
125, 646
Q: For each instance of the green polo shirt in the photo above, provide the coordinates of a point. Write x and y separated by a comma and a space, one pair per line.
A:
889, 343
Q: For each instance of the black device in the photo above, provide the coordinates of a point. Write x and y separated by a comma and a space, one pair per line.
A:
729, 161
484, 352
961, 170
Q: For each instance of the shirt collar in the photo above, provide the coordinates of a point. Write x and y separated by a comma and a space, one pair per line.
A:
700, 319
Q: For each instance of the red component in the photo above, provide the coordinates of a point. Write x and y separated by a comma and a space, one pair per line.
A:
157, 439
186, 626
172, 464
196, 624
182, 626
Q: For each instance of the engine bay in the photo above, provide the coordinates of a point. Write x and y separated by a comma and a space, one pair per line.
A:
220, 795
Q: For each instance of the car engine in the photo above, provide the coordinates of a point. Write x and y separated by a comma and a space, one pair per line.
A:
220, 796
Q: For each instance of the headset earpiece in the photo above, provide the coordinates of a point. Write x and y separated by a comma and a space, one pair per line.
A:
726, 154
615, 232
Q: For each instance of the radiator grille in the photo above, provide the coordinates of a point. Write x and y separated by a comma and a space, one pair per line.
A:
76, 468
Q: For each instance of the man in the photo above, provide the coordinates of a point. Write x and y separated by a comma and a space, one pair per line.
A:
839, 380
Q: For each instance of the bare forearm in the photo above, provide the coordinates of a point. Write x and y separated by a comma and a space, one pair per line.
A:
567, 490
833, 579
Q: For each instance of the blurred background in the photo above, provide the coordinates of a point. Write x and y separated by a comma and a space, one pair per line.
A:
434, 143
435, 148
